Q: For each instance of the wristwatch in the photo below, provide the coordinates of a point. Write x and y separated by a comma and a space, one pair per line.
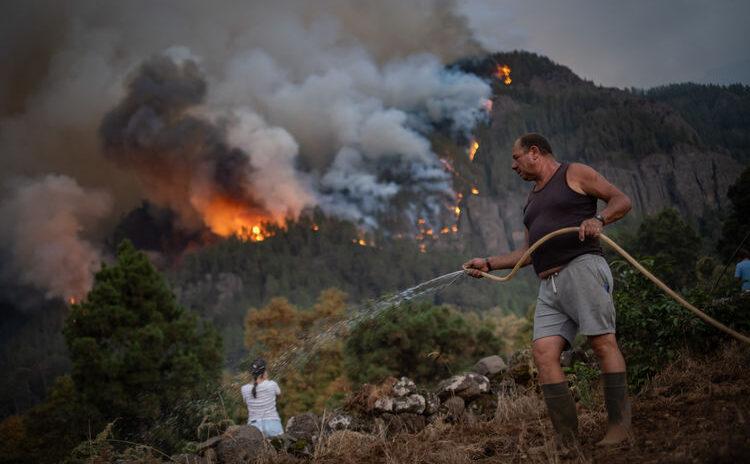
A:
600, 218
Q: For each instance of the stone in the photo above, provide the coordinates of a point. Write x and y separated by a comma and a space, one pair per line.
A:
521, 367
412, 403
338, 421
432, 403
490, 366
466, 386
210, 443
240, 444
304, 426
453, 408
405, 386
290, 444
384, 404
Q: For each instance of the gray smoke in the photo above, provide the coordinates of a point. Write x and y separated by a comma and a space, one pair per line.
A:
41, 229
268, 108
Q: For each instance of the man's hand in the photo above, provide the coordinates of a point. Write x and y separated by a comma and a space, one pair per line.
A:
590, 228
477, 264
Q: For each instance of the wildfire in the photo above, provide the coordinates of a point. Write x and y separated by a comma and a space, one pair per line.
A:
457, 210
473, 149
227, 217
487, 105
315, 227
72, 300
502, 72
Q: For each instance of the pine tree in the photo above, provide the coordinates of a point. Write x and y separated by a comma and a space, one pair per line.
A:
137, 355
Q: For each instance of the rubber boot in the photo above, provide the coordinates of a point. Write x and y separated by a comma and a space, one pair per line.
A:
562, 412
618, 408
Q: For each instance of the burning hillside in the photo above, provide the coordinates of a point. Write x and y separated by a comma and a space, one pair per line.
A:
245, 124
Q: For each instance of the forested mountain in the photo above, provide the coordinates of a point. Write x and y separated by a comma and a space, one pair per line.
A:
678, 146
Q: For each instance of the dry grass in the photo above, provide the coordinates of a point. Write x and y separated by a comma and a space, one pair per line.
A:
522, 433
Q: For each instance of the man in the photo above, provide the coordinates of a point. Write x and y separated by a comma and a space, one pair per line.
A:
742, 270
575, 293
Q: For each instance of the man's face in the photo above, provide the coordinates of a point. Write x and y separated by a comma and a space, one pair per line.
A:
524, 163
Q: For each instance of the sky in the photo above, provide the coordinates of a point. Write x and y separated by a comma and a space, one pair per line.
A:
633, 43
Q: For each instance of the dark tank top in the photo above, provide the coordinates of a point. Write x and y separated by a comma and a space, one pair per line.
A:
553, 207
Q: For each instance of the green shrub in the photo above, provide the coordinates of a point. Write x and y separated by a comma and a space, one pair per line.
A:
653, 328
418, 340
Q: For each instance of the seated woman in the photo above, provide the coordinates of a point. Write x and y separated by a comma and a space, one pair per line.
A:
260, 398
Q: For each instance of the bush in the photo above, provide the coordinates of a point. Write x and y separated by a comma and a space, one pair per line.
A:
653, 328
418, 340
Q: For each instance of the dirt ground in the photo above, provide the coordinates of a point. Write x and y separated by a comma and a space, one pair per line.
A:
697, 410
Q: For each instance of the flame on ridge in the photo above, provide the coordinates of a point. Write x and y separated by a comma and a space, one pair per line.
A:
502, 72
226, 217
473, 149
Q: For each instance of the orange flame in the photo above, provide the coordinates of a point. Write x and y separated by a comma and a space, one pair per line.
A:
473, 149
474, 191
315, 227
502, 72
72, 300
457, 210
226, 217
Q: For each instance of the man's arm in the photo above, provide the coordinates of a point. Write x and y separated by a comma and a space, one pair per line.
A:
505, 261
585, 180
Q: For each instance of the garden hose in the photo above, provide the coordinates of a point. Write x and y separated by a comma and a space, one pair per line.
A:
676, 296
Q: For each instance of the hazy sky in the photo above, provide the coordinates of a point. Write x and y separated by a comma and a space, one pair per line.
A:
636, 43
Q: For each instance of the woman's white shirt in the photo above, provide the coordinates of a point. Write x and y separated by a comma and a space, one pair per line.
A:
263, 406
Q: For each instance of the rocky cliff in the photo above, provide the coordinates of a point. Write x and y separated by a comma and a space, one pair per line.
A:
660, 153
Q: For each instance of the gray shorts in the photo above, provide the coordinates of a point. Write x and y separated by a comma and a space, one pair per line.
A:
577, 299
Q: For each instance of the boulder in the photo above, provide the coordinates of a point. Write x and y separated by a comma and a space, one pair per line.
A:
210, 443
292, 445
304, 426
466, 386
384, 404
453, 409
240, 444
432, 403
338, 421
521, 367
405, 386
490, 366
412, 403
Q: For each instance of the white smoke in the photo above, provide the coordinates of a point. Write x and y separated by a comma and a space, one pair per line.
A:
42, 224
278, 187
330, 102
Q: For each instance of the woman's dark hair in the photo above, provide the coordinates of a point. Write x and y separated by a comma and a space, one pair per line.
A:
257, 369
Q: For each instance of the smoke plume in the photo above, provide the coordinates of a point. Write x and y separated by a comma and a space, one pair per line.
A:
235, 114
43, 221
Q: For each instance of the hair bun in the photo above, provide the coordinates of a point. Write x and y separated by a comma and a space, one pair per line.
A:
258, 367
